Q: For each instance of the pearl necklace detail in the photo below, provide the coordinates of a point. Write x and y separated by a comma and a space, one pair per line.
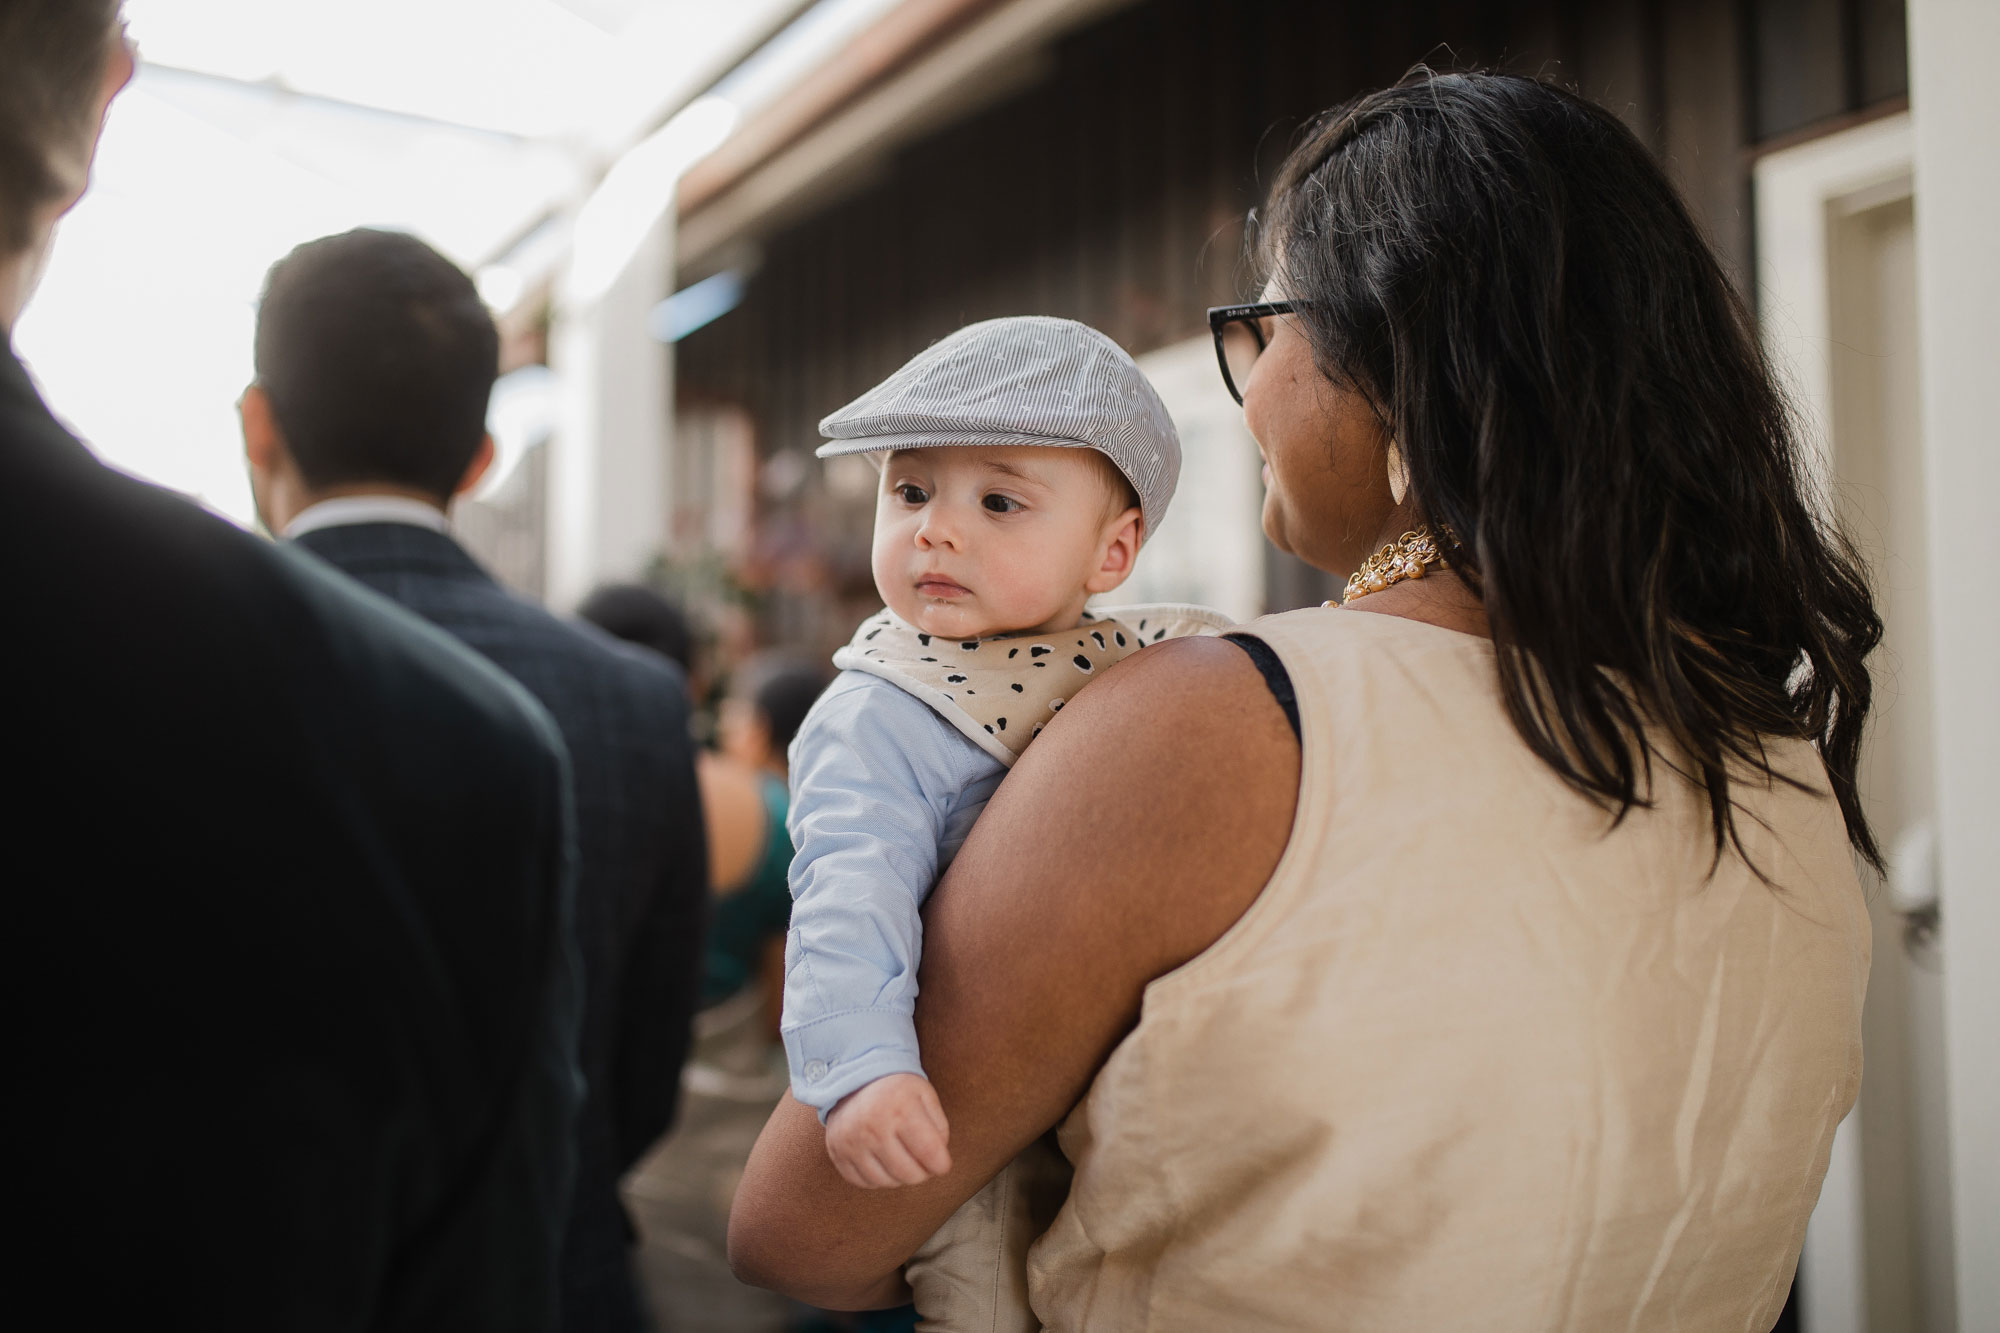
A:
1405, 558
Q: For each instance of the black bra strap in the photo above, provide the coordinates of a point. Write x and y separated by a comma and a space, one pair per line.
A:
1275, 676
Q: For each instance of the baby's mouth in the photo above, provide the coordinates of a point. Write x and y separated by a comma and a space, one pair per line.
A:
939, 587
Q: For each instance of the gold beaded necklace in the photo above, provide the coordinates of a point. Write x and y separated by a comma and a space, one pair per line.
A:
1405, 558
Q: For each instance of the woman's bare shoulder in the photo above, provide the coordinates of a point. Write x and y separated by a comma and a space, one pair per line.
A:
1173, 778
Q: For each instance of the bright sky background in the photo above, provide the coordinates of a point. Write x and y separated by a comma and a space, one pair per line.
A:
249, 130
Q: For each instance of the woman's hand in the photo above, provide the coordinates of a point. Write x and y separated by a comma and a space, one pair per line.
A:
1132, 834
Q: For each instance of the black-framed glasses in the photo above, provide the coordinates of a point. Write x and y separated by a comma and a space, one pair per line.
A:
1239, 337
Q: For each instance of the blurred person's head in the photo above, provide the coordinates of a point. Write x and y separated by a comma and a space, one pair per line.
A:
61, 63
768, 700
638, 614
375, 360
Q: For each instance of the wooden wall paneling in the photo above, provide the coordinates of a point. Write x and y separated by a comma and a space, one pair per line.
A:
1880, 40
1799, 63
846, 285
785, 345
892, 257
1616, 63
1394, 43
1704, 123
973, 205
1281, 110
989, 176
1269, 117
1043, 144
1537, 40
1169, 76
827, 298
1114, 190
1087, 67
1132, 139
1217, 159
1467, 34
1176, 215
1175, 212
1091, 214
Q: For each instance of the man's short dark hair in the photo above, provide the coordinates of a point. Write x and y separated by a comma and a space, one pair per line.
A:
378, 358
52, 56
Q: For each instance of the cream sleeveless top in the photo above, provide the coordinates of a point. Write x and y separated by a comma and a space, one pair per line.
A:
1475, 1059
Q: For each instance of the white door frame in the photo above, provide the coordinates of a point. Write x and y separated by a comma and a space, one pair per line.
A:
1801, 193
1957, 108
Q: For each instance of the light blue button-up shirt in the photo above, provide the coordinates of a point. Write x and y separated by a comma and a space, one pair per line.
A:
883, 793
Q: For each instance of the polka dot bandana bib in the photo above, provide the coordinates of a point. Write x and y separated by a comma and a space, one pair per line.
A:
1002, 691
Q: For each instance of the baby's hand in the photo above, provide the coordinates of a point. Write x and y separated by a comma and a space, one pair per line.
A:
891, 1132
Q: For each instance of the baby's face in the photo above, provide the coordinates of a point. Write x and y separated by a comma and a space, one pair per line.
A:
972, 541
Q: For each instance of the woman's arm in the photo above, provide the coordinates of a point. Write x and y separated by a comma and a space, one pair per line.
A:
1133, 833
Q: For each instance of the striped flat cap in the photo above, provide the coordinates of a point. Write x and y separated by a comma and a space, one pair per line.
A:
1028, 379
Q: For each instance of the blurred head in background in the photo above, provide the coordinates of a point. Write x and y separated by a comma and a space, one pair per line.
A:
637, 614
768, 699
61, 63
375, 361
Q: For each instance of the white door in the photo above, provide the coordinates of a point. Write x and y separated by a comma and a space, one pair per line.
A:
1837, 270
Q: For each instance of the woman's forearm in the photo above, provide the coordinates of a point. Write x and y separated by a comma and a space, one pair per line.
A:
1165, 789
791, 1229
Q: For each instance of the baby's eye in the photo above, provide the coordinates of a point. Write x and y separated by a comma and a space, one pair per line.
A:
911, 495
1001, 504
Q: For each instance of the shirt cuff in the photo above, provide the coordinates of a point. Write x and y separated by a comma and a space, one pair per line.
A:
842, 1053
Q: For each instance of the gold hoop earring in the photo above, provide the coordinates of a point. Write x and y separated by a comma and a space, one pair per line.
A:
1399, 474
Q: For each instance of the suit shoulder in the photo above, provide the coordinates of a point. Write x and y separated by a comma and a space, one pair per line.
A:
441, 682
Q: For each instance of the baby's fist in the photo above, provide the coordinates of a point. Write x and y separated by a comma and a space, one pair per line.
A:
891, 1132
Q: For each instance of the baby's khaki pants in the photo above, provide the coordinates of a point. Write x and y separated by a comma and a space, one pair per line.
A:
972, 1276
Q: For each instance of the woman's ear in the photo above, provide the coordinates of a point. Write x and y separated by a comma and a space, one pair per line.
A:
1118, 550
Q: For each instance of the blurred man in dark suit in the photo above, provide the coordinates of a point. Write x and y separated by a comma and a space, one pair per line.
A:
375, 360
291, 991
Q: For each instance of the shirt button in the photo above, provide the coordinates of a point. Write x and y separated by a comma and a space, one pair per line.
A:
815, 1070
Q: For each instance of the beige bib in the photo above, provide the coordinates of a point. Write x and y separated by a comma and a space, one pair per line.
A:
1002, 691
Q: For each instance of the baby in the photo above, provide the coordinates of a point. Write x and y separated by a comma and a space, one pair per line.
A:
1024, 461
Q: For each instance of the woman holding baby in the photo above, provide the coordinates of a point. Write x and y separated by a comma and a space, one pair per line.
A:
1485, 951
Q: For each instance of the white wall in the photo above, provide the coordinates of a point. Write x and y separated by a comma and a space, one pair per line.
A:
607, 477
1955, 99
1210, 549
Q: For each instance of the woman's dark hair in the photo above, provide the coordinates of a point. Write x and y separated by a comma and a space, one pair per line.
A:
1508, 277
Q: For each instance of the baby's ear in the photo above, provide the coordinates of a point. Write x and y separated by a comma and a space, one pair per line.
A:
1119, 550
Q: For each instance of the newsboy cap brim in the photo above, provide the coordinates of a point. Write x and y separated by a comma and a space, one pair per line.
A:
939, 439
936, 439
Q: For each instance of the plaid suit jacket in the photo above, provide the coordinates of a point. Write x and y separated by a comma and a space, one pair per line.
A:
642, 874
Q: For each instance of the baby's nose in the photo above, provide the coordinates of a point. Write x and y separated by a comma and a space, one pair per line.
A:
936, 529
